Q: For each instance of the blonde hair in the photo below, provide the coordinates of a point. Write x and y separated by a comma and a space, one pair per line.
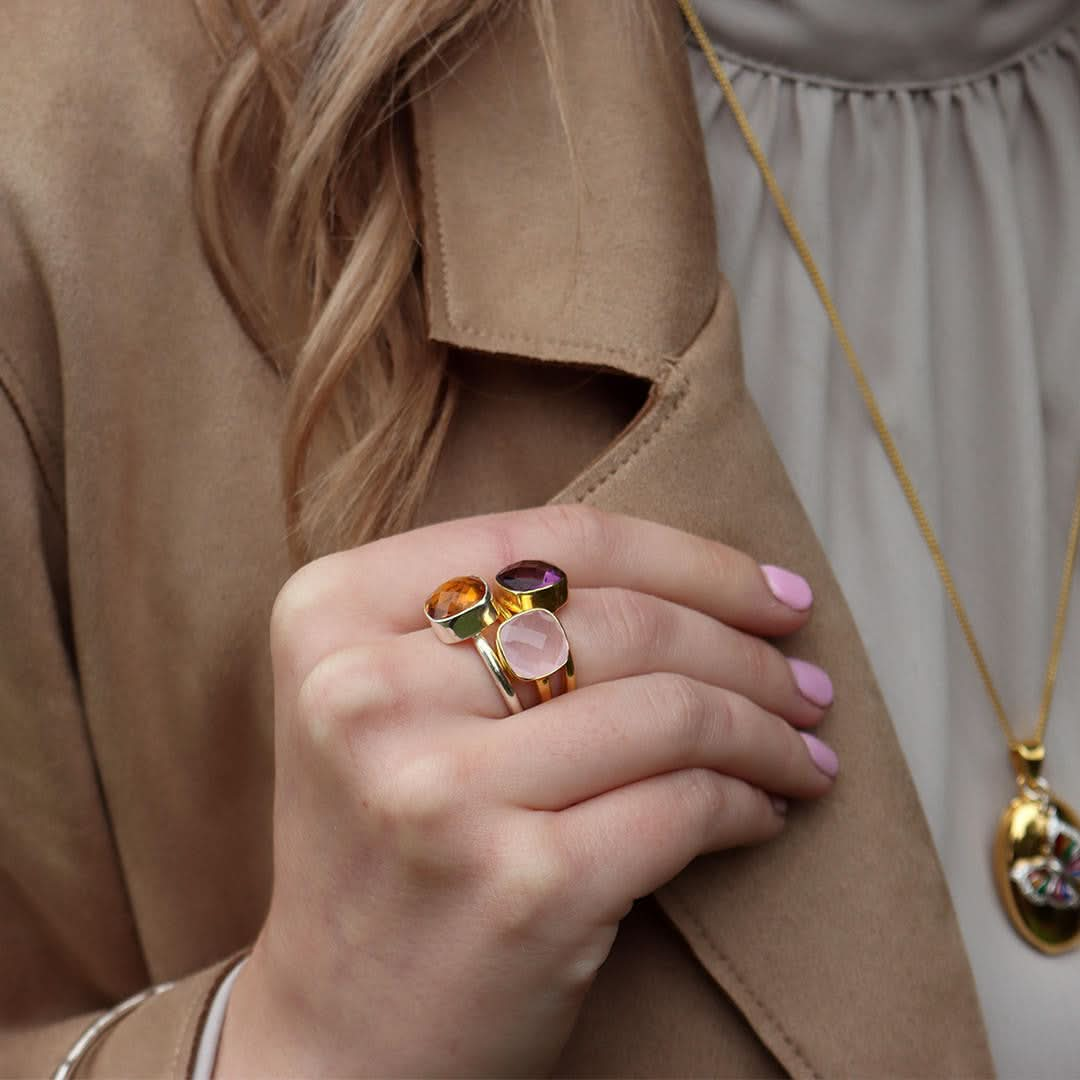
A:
306, 196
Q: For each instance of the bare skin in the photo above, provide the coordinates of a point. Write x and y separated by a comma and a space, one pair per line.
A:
448, 880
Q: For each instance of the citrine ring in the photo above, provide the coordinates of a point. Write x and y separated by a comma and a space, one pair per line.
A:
461, 610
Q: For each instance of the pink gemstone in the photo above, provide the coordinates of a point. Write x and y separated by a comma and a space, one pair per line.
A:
534, 644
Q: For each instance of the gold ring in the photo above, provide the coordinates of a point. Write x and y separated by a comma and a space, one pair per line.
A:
531, 641
461, 610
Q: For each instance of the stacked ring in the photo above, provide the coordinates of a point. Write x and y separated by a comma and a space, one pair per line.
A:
461, 610
531, 641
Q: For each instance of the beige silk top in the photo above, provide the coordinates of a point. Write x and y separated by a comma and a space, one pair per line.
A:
931, 153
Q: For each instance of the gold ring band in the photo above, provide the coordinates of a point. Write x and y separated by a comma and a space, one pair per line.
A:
500, 674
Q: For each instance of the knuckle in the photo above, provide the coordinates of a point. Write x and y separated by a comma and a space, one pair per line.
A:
416, 805
533, 878
725, 812
341, 691
740, 814
680, 702
724, 717
756, 661
500, 537
307, 611
631, 619
421, 792
578, 526
703, 802
294, 604
708, 792
592, 953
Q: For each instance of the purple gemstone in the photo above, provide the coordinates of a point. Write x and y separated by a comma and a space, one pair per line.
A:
530, 575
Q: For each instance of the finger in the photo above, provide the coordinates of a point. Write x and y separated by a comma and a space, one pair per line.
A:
381, 588
629, 842
615, 634
605, 737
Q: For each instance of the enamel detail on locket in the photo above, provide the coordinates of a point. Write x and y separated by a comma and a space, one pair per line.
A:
1037, 868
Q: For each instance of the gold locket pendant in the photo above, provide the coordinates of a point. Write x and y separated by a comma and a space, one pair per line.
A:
1037, 860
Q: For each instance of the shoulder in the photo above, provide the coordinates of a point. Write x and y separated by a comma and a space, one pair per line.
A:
99, 100
92, 84
68, 67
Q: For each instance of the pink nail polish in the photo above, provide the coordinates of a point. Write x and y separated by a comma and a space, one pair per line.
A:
778, 804
813, 683
788, 588
824, 757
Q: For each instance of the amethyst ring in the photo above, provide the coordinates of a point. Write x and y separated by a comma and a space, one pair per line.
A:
531, 640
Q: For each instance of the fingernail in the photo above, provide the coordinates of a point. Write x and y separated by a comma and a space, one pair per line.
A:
824, 757
813, 683
778, 804
788, 588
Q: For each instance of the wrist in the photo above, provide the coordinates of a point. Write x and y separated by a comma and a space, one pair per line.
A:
260, 1033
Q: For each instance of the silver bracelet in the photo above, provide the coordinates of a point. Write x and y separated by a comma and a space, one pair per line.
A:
86, 1040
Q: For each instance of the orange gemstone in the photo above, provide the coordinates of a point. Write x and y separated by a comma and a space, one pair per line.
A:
455, 596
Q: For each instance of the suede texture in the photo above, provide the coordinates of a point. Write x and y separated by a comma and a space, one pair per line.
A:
569, 262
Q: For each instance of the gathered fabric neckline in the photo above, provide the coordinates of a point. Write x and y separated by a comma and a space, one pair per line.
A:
906, 45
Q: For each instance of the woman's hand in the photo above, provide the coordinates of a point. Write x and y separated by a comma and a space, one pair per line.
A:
449, 879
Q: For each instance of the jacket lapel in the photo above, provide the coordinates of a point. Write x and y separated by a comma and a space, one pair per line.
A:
566, 214
567, 217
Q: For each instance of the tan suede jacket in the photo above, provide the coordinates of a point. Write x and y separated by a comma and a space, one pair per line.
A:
141, 531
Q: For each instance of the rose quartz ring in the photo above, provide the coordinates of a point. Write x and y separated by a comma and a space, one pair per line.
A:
531, 641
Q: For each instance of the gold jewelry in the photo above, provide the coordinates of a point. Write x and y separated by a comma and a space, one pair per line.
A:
461, 610
1037, 848
533, 645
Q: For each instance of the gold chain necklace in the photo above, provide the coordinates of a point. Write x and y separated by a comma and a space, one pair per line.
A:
1037, 847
